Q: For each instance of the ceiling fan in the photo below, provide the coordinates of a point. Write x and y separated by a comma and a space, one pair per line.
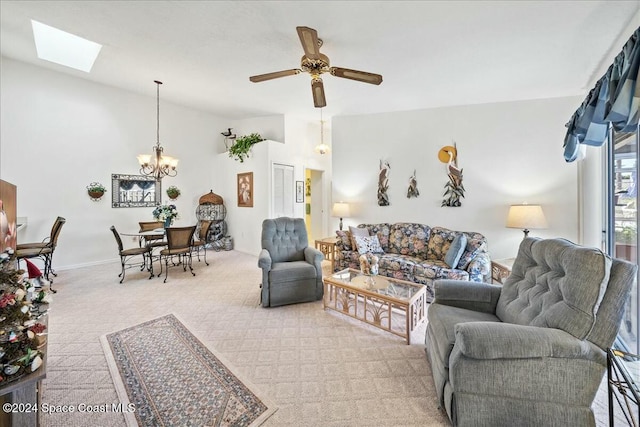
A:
316, 64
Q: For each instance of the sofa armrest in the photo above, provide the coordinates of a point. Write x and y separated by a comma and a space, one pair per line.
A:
479, 268
470, 295
496, 340
264, 260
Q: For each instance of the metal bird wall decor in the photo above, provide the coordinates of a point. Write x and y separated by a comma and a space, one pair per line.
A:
383, 183
228, 135
412, 191
454, 190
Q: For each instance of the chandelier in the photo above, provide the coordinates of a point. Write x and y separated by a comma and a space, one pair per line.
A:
322, 148
160, 166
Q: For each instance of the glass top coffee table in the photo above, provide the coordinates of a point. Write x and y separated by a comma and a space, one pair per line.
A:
394, 305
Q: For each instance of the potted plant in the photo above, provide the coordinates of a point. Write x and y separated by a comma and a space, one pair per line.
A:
96, 190
173, 192
242, 145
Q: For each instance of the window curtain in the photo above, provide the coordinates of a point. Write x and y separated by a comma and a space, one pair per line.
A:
613, 101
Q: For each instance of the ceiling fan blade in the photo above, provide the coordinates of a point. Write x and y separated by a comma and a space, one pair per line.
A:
309, 39
361, 76
277, 74
317, 88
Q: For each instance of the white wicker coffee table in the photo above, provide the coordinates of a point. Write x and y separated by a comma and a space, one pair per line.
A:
377, 300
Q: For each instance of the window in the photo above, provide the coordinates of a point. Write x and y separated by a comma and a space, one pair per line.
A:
622, 222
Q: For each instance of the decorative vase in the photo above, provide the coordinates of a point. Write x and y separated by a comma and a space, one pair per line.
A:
167, 223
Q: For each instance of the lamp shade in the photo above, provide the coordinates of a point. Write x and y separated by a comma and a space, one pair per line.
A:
340, 210
526, 217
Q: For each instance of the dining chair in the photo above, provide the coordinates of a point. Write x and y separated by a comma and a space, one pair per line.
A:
179, 243
201, 242
44, 249
155, 240
127, 254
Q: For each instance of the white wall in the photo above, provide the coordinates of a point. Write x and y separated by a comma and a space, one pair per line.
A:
245, 224
510, 153
59, 133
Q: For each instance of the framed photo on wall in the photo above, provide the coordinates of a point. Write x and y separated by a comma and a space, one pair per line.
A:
245, 190
299, 191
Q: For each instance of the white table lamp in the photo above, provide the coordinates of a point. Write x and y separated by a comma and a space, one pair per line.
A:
526, 217
341, 210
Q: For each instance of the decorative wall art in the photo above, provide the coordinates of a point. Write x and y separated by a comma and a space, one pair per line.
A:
412, 191
245, 190
299, 191
308, 187
454, 190
383, 184
135, 191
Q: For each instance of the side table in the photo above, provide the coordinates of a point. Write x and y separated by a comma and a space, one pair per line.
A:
501, 269
328, 247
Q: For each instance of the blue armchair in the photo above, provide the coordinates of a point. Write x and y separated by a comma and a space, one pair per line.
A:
291, 269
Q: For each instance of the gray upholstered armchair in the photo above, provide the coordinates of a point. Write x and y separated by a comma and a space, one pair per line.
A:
291, 269
531, 352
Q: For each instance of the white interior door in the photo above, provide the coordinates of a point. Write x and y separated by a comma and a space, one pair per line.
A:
283, 196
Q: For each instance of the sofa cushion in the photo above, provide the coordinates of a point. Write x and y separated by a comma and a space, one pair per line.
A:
432, 270
456, 250
288, 271
344, 238
398, 266
368, 245
442, 321
439, 243
555, 284
409, 239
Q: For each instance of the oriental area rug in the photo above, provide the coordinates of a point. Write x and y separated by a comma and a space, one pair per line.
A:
171, 379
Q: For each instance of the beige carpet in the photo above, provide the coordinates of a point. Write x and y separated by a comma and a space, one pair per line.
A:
320, 368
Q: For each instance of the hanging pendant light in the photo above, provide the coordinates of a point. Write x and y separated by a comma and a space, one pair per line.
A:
322, 148
157, 165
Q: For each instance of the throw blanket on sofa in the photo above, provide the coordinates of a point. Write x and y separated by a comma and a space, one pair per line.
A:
418, 253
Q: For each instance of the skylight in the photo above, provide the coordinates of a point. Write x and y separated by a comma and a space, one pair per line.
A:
63, 48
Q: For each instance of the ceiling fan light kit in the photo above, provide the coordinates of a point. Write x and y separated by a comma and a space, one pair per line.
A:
315, 63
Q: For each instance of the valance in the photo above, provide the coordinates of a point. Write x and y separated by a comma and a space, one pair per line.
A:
613, 101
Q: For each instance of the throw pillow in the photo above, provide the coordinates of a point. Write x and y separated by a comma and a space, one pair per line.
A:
456, 250
357, 231
368, 245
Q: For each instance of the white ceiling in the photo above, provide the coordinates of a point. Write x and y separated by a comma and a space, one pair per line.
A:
430, 53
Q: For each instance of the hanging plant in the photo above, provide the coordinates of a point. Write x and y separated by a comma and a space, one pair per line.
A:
173, 192
240, 148
96, 190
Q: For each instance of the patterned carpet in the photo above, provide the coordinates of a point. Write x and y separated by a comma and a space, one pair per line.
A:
155, 363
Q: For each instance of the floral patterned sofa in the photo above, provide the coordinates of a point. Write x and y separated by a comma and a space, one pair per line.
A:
416, 253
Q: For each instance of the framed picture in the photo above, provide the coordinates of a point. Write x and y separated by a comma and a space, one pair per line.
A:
245, 190
299, 191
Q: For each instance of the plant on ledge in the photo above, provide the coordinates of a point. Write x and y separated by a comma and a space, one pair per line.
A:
242, 145
173, 192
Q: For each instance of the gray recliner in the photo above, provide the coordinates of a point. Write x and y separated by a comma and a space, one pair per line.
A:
291, 269
530, 352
